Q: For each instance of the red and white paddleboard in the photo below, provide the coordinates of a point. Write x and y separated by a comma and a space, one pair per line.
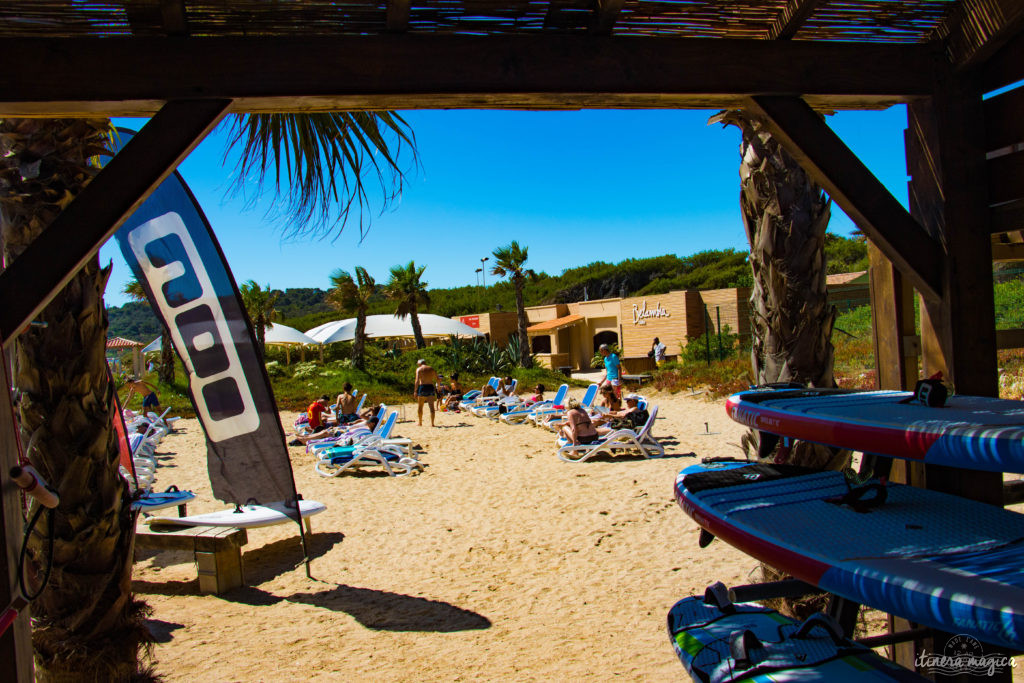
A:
970, 432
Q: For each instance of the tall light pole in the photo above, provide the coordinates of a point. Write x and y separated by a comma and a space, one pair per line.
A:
478, 271
483, 273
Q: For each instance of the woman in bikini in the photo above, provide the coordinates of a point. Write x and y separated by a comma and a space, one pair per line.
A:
578, 428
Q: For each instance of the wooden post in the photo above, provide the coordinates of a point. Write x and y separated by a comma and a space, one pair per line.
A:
16, 643
948, 196
897, 350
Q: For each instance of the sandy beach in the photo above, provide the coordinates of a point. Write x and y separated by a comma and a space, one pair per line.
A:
498, 562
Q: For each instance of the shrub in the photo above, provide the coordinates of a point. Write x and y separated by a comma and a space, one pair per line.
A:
722, 345
274, 369
307, 370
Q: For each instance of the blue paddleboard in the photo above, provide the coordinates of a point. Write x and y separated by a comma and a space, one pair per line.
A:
970, 432
947, 562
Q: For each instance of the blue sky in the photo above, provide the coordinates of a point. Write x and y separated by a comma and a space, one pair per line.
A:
575, 187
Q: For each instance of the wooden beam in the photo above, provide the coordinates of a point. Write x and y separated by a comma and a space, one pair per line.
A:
398, 15
977, 29
28, 284
1006, 177
949, 196
864, 199
792, 18
1013, 492
1007, 253
1005, 67
1007, 217
1010, 339
175, 17
606, 13
16, 642
1004, 119
132, 76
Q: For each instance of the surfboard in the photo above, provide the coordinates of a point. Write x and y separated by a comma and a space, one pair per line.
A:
970, 432
159, 500
713, 644
947, 562
249, 517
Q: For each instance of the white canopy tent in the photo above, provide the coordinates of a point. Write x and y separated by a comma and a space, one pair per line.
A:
321, 332
390, 326
278, 335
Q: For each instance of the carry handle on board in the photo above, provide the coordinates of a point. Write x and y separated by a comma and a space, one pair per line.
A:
824, 621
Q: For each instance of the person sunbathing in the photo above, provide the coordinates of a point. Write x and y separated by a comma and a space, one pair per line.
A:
631, 417
345, 407
366, 420
578, 428
506, 388
488, 391
537, 397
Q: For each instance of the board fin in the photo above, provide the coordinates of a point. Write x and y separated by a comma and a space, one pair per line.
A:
705, 538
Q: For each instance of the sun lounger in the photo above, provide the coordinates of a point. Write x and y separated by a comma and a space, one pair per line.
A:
621, 441
473, 398
342, 433
524, 413
373, 452
382, 432
549, 419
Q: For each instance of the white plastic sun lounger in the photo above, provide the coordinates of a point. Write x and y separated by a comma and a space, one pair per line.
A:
622, 441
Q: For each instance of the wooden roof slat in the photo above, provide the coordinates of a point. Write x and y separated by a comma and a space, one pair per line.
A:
94, 215
792, 18
606, 14
114, 76
851, 185
844, 20
398, 15
976, 29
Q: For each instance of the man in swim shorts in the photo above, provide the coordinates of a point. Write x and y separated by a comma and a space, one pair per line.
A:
425, 389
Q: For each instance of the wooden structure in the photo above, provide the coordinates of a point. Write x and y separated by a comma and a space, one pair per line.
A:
120, 343
217, 551
187, 64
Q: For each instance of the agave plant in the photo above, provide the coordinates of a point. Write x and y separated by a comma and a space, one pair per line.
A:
515, 352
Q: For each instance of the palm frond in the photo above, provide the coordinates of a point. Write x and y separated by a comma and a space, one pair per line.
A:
327, 160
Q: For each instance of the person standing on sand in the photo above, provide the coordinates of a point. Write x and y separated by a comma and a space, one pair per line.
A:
613, 369
425, 389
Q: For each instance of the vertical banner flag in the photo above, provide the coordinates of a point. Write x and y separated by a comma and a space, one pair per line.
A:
171, 249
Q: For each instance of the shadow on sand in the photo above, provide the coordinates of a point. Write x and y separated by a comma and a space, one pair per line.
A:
376, 609
162, 631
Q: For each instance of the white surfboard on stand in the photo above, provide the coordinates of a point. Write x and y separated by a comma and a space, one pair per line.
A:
245, 517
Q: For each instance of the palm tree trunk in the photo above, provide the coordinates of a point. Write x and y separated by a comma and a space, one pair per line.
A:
87, 626
359, 343
416, 330
261, 335
525, 357
786, 215
166, 373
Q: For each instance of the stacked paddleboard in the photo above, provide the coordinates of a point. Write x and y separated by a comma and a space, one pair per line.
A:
950, 563
971, 432
718, 642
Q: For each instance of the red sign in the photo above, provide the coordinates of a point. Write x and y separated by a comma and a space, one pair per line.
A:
471, 320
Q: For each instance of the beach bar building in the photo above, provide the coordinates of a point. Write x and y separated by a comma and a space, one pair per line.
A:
956, 65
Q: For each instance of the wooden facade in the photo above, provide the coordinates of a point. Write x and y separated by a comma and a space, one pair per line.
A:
782, 60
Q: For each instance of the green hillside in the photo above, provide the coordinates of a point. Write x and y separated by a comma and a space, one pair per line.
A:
304, 308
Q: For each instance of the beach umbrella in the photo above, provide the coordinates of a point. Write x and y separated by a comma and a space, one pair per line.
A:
390, 326
155, 345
